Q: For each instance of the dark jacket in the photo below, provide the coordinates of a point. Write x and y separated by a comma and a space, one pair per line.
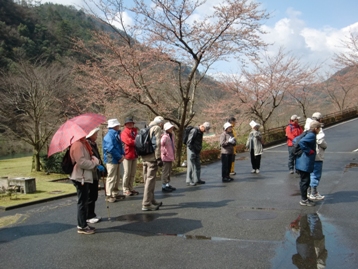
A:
306, 161
195, 140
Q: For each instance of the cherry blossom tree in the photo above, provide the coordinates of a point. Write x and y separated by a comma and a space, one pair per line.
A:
159, 62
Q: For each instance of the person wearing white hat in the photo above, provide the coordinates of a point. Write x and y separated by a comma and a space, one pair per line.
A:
232, 120
321, 146
254, 145
167, 149
293, 129
227, 143
151, 164
97, 173
113, 156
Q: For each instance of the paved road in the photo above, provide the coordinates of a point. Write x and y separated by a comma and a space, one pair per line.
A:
253, 222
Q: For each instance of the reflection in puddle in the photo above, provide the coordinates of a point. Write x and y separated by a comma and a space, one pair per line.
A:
310, 244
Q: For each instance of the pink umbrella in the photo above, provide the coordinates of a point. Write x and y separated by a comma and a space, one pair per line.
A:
73, 130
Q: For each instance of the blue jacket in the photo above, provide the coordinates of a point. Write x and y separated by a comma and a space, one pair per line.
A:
305, 162
112, 147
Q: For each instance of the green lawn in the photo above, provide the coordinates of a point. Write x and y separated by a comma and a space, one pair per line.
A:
45, 188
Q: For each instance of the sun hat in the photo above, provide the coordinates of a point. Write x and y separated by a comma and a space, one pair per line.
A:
227, 125
95, 130
295, 117
315, 124
317, 115
253, 124
128, 120
158, 119
207, 126
168, 125
113, 123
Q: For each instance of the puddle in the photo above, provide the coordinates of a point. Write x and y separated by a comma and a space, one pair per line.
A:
311, 243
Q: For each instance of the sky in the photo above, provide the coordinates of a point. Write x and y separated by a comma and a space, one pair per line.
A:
312, 30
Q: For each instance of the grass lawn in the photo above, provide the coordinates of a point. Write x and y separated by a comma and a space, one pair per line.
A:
45, 188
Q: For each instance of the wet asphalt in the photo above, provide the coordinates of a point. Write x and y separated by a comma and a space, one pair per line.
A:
253, 222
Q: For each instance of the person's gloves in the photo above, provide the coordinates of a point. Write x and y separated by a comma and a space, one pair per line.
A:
159, 162
100, 168
232, 140
311, 152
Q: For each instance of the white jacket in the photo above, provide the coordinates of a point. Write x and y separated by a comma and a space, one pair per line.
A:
321, 144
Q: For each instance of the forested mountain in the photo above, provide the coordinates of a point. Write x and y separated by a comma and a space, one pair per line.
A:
45, 30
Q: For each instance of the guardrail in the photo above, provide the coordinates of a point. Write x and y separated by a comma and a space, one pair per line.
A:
277, 135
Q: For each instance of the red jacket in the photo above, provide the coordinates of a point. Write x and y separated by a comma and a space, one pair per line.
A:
128, 140
292, 130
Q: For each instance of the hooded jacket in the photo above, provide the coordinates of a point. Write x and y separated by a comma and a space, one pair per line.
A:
305, 162
168, 147
112, 147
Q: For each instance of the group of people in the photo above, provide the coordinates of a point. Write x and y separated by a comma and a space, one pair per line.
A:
309, 164
119, 148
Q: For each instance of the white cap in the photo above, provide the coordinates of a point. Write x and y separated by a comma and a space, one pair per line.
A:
113, 123
227, 125
158, 119
295, 117
317, 115
168, 125
95, 130
253, 124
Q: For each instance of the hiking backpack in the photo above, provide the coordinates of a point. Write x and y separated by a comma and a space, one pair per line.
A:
66, 164
297, 151
186, 134
144, 145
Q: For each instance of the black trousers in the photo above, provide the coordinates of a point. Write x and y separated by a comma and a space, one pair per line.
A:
82, 203
92, 198
226, 160
304, 183
255, 160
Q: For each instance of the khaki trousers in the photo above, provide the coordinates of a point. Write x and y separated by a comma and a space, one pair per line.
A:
149, 182
130, 167
113, 178
167, 168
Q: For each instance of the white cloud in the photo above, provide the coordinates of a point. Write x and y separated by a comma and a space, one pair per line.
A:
127, 20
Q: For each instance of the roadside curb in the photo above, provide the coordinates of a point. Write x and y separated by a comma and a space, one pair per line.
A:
6, 208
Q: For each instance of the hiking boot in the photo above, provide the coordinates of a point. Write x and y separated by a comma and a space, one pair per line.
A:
150, 207
225, 179
128, 193
316, 196
171, 187
94, 220
166, 189
159, 204
111, 199
201, 181
86, 230
307, 203
292, 172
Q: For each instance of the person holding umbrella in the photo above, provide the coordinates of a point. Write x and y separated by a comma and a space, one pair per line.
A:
82, 176
93, 188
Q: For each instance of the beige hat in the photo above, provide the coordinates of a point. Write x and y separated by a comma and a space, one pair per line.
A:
207, 126
315, 124
295, 117
227, 125
317, 115
253, 124
168, 125
158, 119
113, 123
95, 130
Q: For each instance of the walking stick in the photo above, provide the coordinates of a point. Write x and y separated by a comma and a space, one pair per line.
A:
105, 195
